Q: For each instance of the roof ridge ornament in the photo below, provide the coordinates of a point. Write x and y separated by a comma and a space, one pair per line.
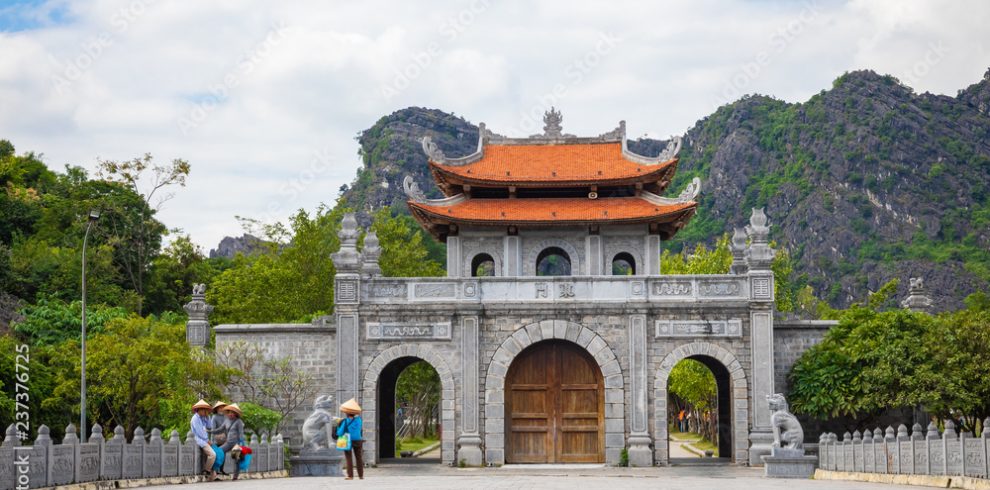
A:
671, 150
411, 188
432, 150
689, 194
551, 123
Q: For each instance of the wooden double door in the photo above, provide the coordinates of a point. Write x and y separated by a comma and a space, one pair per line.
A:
555, 406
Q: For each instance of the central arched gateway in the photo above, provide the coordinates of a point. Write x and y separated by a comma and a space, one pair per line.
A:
554, 406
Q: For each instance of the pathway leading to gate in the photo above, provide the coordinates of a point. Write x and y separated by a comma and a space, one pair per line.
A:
436, 477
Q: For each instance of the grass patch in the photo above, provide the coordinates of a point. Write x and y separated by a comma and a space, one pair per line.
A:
412, 444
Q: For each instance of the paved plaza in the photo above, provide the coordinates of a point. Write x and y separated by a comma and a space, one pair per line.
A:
573, 477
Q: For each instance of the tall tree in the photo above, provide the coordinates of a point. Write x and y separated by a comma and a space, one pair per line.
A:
151, 182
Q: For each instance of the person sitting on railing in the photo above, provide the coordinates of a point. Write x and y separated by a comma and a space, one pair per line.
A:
199, 424
235, 437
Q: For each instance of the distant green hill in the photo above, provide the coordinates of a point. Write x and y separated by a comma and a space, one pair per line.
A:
864, 182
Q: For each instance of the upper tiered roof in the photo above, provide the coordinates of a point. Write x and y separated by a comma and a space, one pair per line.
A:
552, 164
551, 159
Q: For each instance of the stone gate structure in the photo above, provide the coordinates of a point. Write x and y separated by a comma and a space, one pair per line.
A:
555, 331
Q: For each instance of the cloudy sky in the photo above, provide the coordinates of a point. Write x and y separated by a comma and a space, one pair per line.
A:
264, 99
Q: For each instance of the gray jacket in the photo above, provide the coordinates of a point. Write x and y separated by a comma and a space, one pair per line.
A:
235, 434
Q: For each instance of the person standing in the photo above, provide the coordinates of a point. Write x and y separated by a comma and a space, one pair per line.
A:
235, 434
200, 425
352, 425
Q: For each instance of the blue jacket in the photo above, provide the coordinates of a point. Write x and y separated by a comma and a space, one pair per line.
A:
352, 427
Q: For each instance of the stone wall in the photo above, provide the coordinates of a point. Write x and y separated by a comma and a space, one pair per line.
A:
790, 339
309, 347
923, 452
45, 464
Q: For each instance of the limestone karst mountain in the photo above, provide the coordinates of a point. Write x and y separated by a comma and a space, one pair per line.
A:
864, 182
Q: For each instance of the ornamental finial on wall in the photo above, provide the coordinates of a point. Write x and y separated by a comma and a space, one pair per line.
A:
413, 192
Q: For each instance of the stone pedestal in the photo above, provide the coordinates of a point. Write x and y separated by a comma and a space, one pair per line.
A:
469, 451
788, 463
760, 444
322, 462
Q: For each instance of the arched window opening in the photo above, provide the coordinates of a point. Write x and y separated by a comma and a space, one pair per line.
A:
553, 261
483, 265
623, 265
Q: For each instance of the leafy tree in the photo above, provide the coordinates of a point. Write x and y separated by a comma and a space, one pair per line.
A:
173, 273
403, 243
140, 372
418, 390
692, 387
52, 321
702, 261
290, 281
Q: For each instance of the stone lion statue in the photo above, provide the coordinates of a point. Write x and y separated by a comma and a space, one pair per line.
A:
787, 432
316, 428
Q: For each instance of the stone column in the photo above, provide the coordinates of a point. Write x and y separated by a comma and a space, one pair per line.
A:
198, 324
370, 254
347, 298
639, 442
651, 256
917, 299
469, 441
454, 256
593, 249
738, 246
759, 257
512, 264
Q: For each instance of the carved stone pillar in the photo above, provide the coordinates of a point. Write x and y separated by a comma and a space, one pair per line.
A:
198, 324
370, 254
347, 299
917, 299
759, 257
640, 453
738, 246
593, 250
512, 264
651, 256
469, 441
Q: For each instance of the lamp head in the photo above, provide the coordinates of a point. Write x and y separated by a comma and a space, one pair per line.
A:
94, 215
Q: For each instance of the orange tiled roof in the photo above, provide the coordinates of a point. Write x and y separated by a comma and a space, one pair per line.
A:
553, 163
552, 211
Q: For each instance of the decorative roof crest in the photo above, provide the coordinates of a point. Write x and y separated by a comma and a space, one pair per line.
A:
413, 192
551, 123
433, 152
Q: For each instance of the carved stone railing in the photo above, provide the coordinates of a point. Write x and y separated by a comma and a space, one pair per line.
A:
624, 289
44, 464
923, 452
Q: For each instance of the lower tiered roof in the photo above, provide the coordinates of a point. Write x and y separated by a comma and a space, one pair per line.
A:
438, 217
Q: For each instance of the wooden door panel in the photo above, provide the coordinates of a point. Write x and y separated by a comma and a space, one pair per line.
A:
554, 406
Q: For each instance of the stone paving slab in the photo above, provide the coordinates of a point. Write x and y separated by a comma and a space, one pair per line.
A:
400, 476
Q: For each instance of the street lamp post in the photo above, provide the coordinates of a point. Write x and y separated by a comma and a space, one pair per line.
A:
93, 216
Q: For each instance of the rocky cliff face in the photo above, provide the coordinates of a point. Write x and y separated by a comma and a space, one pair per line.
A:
230, 246
864, 182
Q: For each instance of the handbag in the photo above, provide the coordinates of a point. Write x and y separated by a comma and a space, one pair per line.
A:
344, 441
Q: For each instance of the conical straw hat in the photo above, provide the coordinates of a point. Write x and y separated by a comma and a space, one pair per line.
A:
233, 408
218, 405
351, 406
201, 404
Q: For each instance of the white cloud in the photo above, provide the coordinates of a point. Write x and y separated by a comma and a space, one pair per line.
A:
280, 112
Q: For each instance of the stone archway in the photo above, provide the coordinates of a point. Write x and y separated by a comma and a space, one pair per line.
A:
370, 390
738, 398
522, 338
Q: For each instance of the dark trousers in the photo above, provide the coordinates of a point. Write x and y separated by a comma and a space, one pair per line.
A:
359, 455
